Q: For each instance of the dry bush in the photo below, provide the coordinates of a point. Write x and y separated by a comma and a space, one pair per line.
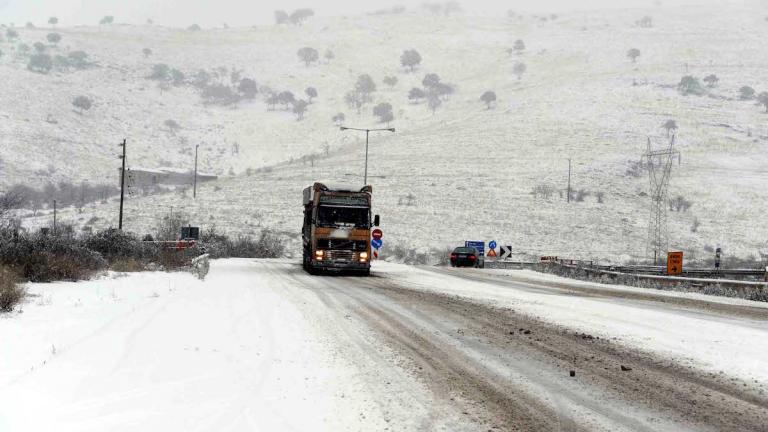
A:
126, 265
11, 293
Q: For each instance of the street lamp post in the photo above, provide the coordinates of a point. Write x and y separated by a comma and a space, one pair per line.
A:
194, 190
367, 133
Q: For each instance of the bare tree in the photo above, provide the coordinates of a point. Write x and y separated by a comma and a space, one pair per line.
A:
53, 21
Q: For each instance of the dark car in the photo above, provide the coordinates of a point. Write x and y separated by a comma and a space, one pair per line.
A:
466, 257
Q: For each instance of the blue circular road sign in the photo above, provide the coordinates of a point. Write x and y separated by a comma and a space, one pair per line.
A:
376, 243
492, 244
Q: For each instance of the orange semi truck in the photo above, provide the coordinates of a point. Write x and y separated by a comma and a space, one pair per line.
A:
337, 229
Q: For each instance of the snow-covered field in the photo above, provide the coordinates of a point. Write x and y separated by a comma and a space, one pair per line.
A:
470, 170
259, 345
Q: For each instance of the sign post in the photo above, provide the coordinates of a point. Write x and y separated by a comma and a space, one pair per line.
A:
674, 263
377, 242
718, 253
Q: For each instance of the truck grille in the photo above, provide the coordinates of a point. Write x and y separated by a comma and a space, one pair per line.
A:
339, 255
339, 244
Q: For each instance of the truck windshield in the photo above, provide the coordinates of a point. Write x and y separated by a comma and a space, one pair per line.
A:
343, 216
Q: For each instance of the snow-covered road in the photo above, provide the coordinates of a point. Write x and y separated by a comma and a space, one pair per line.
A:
259, 345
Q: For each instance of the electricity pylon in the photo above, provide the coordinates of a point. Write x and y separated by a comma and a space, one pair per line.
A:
659, 163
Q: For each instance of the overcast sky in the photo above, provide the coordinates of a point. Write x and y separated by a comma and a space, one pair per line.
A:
249, 12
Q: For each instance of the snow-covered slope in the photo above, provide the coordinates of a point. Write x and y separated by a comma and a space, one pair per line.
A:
469, 170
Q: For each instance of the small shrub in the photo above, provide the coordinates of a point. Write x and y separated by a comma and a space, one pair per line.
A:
53, 38
160, 72
127, 265
281, 17
78, 59
384, 112
763, 99
519, 46
338, 119
11, 293
633, 54
219, 94
365, 85
40, 63
416, 94
746, 93
109, 19
519, 69
711, 80
82, 103
390, 81
543, 190
268, 245
690, 85
248, 88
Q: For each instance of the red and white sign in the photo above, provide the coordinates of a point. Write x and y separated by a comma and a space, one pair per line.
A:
377, 234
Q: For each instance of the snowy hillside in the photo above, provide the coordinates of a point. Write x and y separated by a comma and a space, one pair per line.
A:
469, 170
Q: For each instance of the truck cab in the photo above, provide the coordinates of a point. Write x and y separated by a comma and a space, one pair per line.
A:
336, 233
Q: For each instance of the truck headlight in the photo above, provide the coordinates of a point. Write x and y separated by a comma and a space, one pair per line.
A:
319, 254
363, 256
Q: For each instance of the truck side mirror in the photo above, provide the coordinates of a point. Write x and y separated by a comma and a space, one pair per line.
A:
376, 220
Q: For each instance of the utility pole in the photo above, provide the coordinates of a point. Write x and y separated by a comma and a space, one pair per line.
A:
659, 164
569, 181
122, 186
367, 133
194, 189
54, 217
